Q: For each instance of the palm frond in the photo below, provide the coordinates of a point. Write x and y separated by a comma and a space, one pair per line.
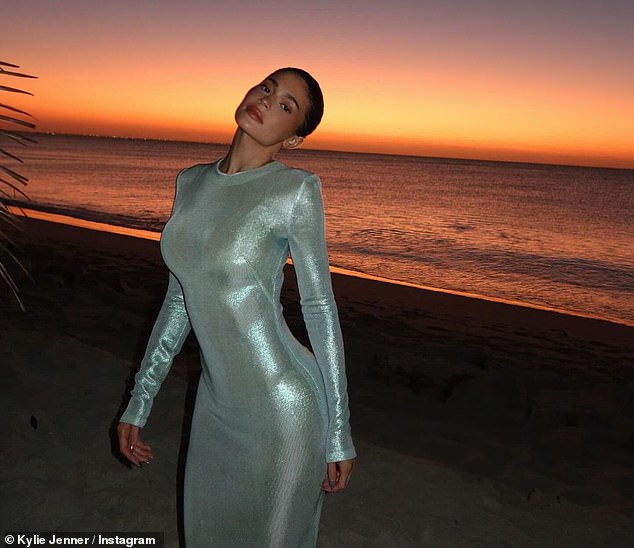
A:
5, 241
8, 107
14, 174
14, 179
12, 156
18, 121
8, 218
17, 137
14, 90
6, 277
18, 74
15, 189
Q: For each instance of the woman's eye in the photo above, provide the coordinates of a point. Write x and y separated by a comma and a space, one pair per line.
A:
265, 88
285, 107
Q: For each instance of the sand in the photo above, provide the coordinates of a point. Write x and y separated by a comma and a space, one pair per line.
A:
476, 423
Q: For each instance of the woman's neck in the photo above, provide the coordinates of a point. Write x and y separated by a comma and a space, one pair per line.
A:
245, 154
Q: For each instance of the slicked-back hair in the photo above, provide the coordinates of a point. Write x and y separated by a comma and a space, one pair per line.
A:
315, 97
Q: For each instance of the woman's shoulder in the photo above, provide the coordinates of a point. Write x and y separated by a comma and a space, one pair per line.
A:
298, 178
187, 177
193, 171
296, 172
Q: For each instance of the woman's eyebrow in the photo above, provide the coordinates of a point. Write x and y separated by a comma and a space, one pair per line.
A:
288, 95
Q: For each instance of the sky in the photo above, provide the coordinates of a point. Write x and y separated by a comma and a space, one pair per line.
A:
511, 80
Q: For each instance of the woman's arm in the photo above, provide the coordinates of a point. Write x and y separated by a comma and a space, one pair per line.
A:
308, 249
166, 340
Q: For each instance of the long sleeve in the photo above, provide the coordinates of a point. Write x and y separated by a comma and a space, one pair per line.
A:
308, 249
168, 335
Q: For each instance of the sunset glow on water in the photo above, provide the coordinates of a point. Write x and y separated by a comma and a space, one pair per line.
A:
445, 96
552, 237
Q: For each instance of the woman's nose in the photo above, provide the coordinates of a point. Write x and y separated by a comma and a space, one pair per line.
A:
265, 101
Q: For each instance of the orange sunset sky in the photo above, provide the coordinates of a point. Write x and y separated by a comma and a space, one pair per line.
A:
529, 81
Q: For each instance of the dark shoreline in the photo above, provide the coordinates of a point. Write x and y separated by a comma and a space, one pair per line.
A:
476, 420
52, 215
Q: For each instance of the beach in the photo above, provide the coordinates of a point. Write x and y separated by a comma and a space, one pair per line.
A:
477, 423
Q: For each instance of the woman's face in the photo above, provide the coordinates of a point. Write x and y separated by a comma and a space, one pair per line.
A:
272, 111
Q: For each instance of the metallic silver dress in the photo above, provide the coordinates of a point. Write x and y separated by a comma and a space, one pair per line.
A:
269, 414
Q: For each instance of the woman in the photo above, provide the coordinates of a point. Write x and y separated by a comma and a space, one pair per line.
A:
270, 431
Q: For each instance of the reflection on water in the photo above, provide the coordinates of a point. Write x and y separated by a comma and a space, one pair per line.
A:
150, 235
551, 236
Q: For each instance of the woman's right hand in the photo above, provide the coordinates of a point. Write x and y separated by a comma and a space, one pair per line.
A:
131, 445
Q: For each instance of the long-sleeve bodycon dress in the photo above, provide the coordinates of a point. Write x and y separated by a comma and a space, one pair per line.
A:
269, 414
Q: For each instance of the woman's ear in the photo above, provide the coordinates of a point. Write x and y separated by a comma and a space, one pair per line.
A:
293, 142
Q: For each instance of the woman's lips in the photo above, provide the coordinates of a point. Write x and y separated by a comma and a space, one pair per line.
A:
254, 113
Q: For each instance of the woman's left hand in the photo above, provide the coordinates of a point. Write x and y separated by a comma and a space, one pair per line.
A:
338, 475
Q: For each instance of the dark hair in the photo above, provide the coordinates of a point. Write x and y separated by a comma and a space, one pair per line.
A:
315, 97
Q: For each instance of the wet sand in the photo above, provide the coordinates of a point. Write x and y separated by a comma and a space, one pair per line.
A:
477, 423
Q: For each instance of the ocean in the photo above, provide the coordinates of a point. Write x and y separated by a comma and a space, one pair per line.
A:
558, 237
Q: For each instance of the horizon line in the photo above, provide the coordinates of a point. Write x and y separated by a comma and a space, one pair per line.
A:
452, 158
